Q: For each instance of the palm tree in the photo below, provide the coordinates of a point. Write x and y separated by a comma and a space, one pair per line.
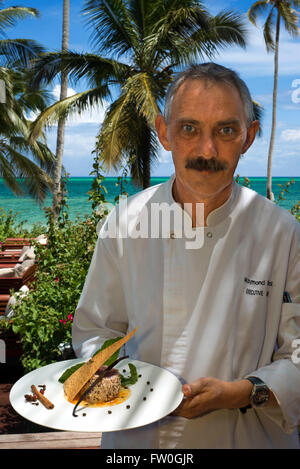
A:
143, 43
19, 158
14, 51
23, 164
56, 195
276, 11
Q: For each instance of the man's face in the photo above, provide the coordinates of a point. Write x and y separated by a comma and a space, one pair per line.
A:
206, 134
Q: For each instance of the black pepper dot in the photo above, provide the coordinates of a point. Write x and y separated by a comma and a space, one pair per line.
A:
151, 389
83, 415
140, 376
128, 407
109, 411
144, 398
148, 382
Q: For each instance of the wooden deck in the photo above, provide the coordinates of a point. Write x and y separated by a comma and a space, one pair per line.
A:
18, 433
51, 440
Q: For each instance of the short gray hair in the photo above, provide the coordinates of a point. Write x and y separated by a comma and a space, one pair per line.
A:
213, 73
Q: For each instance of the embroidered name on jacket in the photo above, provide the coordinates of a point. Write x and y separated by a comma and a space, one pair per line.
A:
256, 287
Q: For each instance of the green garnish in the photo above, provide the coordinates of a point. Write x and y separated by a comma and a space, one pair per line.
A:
69, 372
132, 379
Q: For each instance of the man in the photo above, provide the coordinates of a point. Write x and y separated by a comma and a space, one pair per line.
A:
214, 316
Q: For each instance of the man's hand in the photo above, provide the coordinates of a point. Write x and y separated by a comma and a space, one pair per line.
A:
207, 394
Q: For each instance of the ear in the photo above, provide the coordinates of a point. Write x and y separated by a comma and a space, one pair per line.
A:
251, 133
162, 132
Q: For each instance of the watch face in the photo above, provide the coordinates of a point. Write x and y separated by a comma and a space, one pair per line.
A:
261, 395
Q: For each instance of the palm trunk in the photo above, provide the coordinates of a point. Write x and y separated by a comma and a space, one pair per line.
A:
146, 148
270, 194
62, 121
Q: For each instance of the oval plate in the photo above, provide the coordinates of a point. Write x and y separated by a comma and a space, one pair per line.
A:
145, 406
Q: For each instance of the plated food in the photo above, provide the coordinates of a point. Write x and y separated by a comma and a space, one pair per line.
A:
97, 382
113, 396
78, 379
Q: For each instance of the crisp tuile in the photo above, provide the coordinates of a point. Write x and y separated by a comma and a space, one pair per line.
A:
80, 377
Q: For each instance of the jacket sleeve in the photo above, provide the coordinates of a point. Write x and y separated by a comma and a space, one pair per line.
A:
283, 374
101, 311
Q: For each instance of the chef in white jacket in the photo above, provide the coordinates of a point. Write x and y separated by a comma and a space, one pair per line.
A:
223, 316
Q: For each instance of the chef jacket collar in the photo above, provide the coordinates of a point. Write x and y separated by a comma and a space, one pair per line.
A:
219, 214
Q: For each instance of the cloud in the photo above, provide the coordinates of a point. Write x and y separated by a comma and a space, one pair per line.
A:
256, 61
290, 135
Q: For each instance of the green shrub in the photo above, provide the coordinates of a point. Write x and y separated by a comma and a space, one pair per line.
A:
43, 318
10, 228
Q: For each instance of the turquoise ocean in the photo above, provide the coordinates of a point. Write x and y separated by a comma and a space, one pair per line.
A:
29, 211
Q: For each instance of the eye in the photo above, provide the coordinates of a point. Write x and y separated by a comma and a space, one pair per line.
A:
226, 131
188, 128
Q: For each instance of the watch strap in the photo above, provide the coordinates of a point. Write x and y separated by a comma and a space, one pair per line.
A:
254, 380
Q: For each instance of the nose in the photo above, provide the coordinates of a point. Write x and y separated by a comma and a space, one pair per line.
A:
206, 145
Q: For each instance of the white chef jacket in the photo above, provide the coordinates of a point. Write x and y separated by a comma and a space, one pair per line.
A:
199, 314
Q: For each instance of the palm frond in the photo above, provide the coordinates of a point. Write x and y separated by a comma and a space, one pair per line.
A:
258, 111
290, 18
258, 8
116, 131
112, 28
39, 151
95, 69
117, 142
6, 171
268, 29
18, 52
226, 28
77, 103
11, 15
16, 165
173, 32
139, 90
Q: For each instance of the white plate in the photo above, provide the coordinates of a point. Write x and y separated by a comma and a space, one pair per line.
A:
161, 401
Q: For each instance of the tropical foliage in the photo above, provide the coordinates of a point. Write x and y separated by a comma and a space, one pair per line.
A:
43, 318
277, 12
138, 47
23, 164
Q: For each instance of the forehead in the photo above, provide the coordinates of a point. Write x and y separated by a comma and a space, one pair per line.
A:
201, 99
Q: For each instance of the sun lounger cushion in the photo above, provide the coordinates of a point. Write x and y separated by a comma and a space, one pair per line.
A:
7, 272
9, 312
27, 253
20, 269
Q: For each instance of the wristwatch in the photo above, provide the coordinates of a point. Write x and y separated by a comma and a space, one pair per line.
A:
259, 395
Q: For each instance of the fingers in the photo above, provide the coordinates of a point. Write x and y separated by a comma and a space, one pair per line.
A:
186, 389
194, 388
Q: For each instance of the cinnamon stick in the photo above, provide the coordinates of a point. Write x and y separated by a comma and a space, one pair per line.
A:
42, 398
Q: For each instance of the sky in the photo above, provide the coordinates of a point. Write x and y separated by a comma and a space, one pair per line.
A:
253, 64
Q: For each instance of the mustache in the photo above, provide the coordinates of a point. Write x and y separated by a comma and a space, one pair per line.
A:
204, 164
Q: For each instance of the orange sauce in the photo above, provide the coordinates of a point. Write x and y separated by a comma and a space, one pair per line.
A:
124, 394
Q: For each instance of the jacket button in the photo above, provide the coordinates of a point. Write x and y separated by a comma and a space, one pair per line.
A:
172, 235
209, 234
